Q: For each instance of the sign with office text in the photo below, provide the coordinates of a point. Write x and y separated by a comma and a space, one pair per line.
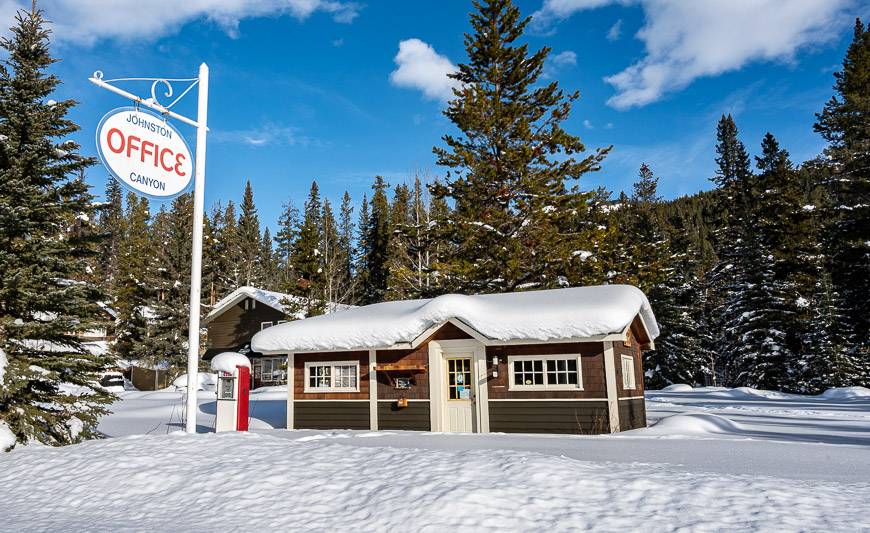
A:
145, 153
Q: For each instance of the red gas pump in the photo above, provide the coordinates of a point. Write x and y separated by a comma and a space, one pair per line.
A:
234, 387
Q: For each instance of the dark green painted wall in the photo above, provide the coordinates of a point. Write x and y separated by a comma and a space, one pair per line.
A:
331, 415
548, 417
414, 417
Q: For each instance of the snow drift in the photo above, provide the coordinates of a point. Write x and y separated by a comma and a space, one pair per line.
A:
846, 393
206, 380
678, 387
578, 312
693, 424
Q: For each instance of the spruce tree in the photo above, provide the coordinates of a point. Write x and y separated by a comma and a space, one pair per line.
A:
377, 241
362, 250
307, 260
399, 262
285, 241
268, 262
518, 216
249, 240
734, 275
845, 124
132, 290
111, 217
47, 393
347, 250
230, 267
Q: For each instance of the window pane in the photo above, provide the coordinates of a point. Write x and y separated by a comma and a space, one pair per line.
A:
539, 365
572, 365
551, 365
572, 378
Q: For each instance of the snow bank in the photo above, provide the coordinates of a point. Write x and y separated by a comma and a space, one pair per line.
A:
206, 380
228, 361
693, 424
181, 482
678, 387
846, 393
3, 363
7, 439
577, 312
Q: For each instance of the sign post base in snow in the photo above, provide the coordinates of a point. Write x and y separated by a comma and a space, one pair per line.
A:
151, 158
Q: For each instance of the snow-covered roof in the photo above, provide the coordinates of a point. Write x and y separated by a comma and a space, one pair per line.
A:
271, 298
549, 315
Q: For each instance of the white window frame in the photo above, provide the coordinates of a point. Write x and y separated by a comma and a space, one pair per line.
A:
630, 383
273, 362
332, 375
266, 324
545, 386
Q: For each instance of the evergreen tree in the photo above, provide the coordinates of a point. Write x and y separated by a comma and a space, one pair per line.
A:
229, 267
377, 241
249, 240
362, 249
336, 285
307, 261
399, 262
681, 354
211, 258
285, 242
347, 250
268, 262
644, 247
518, 216
111, 217
737, 271
131, 289
845, 124
42, 305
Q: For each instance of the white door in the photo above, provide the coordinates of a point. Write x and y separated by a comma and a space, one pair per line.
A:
459, 394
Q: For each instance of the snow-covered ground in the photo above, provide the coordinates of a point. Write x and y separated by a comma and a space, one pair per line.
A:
719, 459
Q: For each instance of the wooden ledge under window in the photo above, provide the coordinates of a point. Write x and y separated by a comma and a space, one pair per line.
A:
395, 367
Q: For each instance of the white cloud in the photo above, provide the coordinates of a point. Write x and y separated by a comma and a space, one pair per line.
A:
419, 66
588, 124
564, 58
88, 21
268, 134
686, 40
615, 31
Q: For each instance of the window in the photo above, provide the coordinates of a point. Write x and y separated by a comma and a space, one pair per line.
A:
550, 372
281, 322
627, 372
336, 376
264, 325
272, 369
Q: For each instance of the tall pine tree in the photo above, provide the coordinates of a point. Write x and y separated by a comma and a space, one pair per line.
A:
43, 304
845, 124
518, 216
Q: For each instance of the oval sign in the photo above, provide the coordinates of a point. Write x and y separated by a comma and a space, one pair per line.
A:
145, 153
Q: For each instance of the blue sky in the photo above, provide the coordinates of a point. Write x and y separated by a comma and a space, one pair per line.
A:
318, 89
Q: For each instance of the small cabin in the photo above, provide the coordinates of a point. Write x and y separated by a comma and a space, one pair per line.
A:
550, 361
236, 318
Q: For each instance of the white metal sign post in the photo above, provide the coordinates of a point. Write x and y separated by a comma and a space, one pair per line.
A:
166, 160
